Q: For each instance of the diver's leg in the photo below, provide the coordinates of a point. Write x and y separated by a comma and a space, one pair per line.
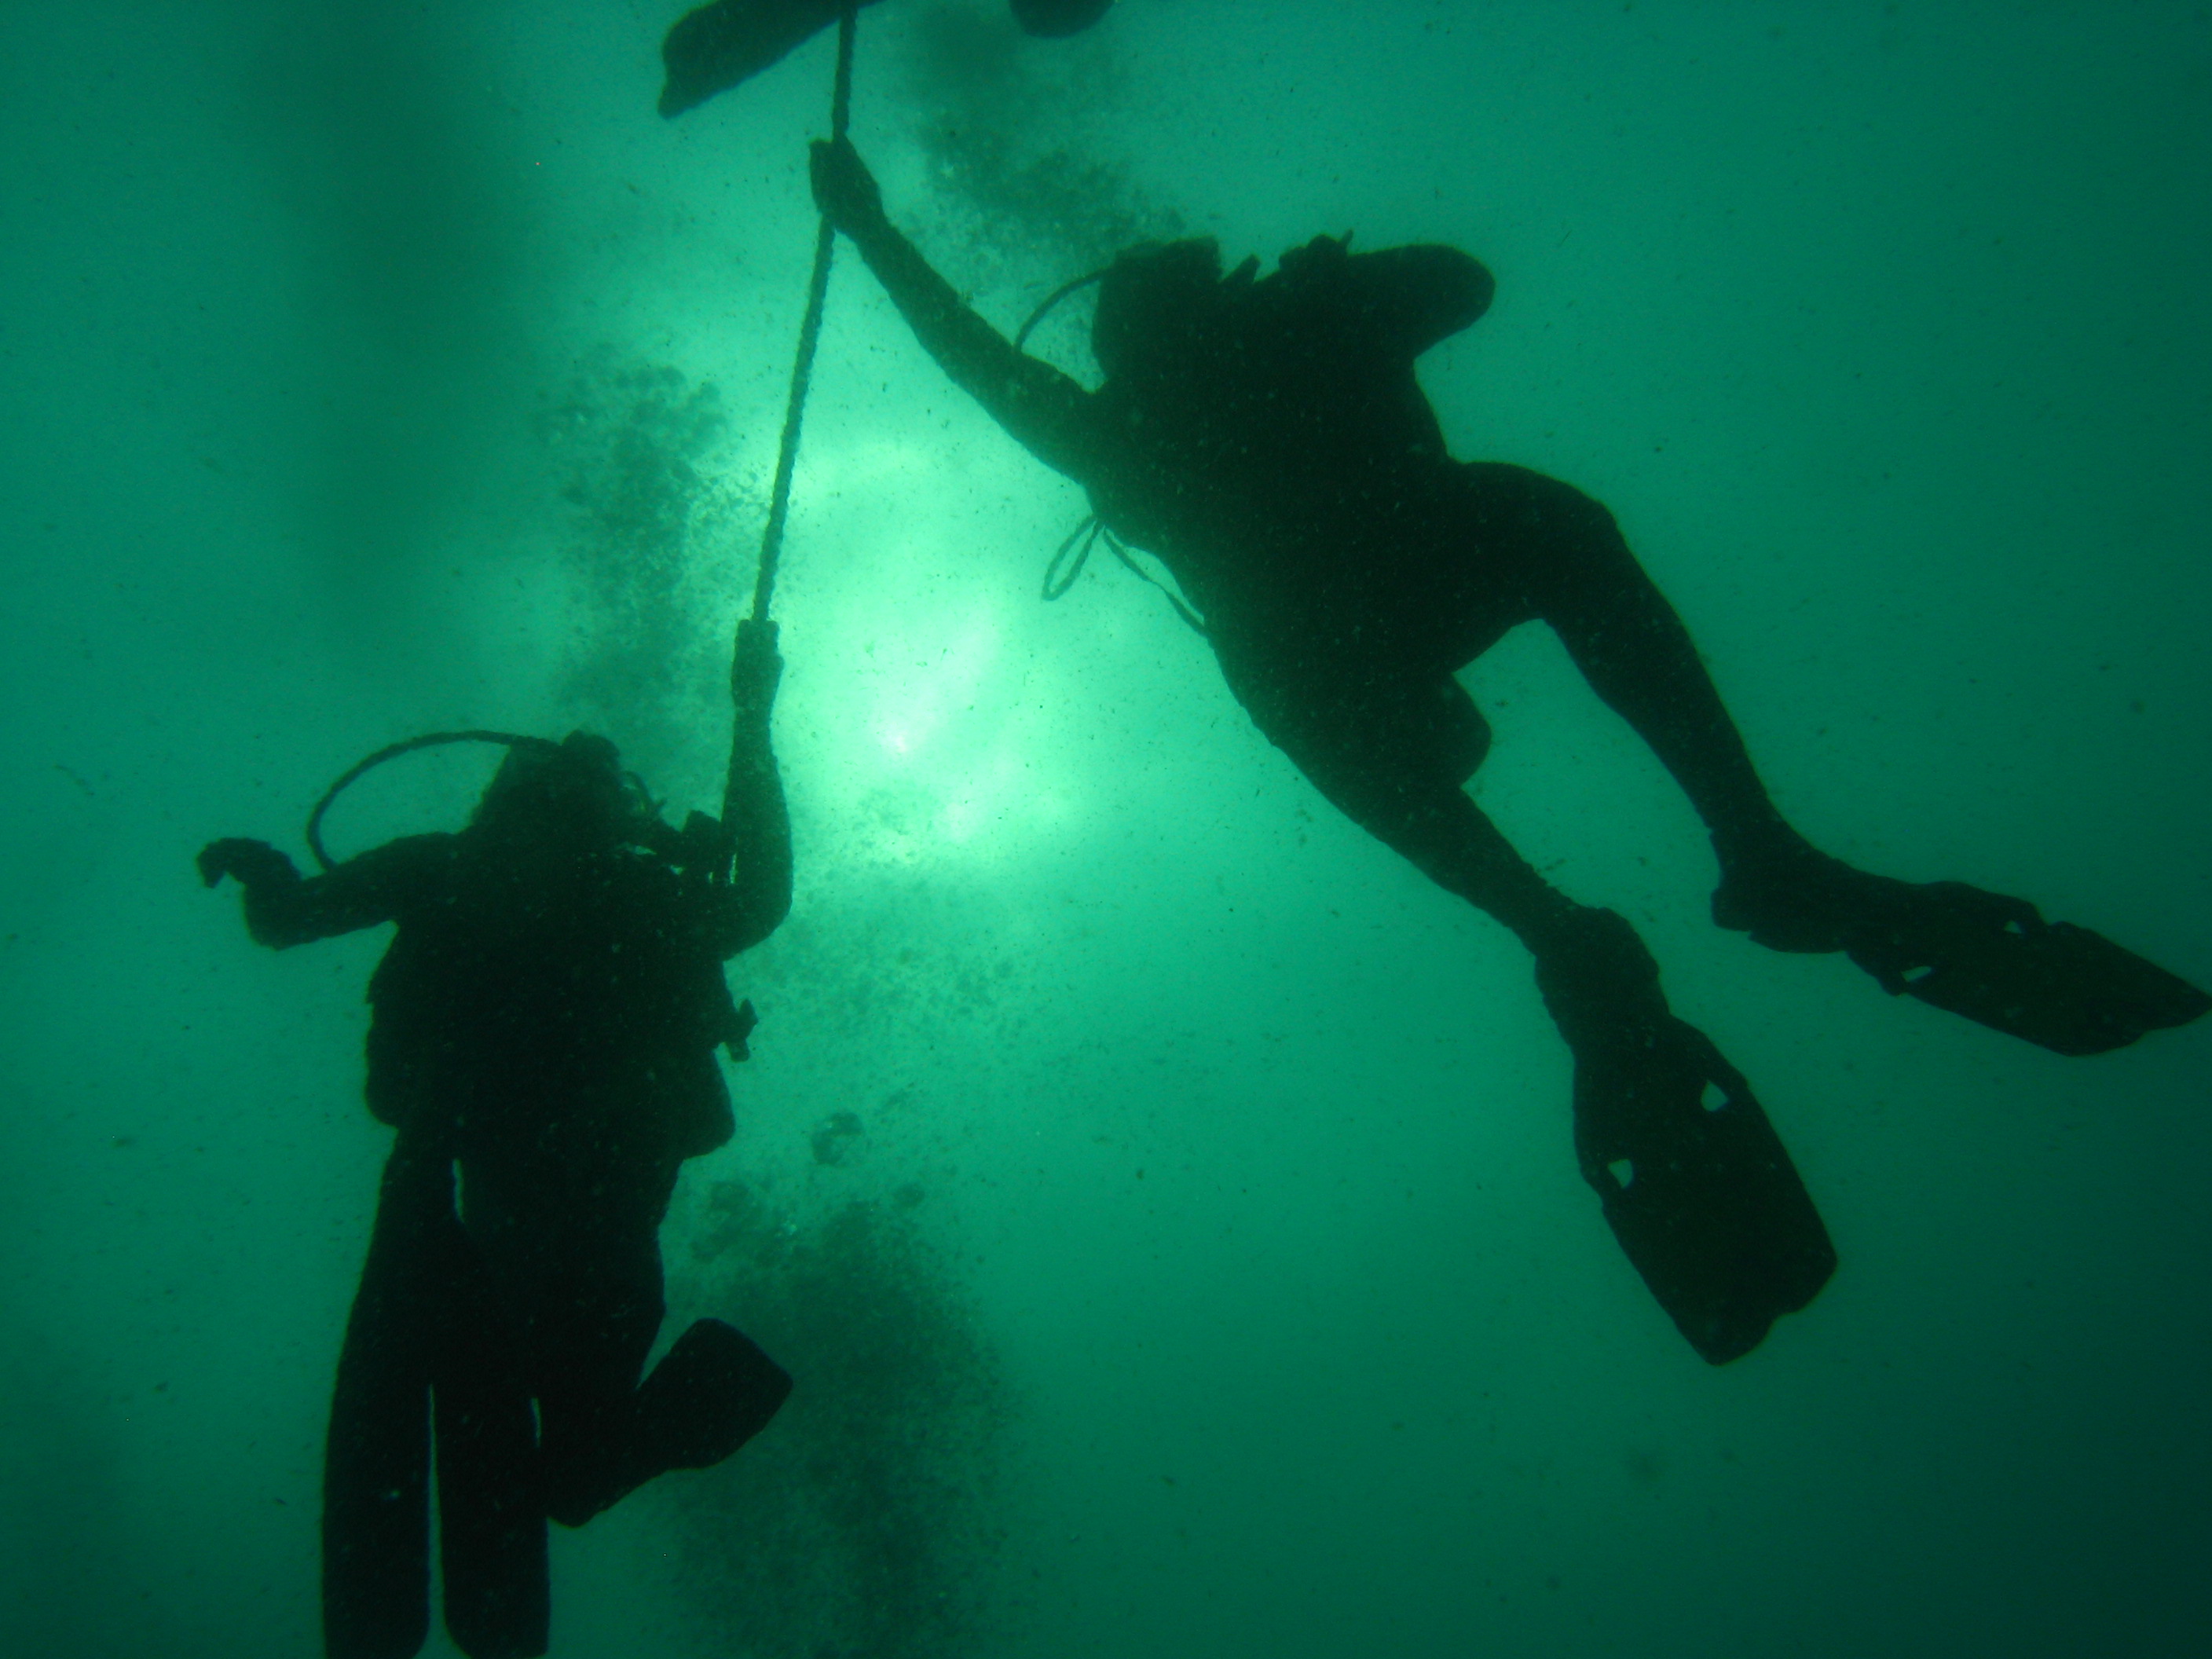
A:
1452, 841
1579, 576
491, 1502
1984, 956
376, 1464
604, 1434
596, 1305
1694, 1182
1391, 751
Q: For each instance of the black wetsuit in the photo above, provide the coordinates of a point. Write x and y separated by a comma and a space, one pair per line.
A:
1290, 472
1267, 439
544, 1026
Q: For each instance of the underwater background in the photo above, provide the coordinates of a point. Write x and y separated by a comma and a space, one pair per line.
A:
1163, 1195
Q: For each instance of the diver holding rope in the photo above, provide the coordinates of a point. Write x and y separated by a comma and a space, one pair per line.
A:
543, 1025
1267, 439
542, 1028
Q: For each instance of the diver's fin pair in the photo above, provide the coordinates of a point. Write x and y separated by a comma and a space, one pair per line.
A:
1995, 960
713, 1390
1695, 1183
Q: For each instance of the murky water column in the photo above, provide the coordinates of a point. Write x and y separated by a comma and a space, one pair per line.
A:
1163, 1195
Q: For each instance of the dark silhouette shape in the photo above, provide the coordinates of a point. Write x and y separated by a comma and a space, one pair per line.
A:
545, 1021
1056, 19
1268, 440
714, 48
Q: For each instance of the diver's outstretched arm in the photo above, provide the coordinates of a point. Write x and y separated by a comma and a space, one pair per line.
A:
1045, 411
283, 909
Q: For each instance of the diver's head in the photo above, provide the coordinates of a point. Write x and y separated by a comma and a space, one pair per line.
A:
1058, 17
1154, 302
570, 796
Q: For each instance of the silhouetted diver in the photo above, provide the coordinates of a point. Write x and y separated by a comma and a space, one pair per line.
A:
1268, 440
544, 1020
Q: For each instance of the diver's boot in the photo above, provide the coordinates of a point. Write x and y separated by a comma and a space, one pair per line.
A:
1695, 1183
1790, 896
713, 1390
1990, 958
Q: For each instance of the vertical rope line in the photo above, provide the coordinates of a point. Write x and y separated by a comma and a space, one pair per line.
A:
809, 332
840, 92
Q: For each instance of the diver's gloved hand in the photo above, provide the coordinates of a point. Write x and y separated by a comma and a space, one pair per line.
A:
701, 847
251, 861
845, 191
755, 668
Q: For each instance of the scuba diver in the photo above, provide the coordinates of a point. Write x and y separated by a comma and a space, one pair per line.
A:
544, 1020
1267, 439
714, 48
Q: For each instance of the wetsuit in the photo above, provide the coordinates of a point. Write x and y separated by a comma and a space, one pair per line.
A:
1267, 439
543, 1025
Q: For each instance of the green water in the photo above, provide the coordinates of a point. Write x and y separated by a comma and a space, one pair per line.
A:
1203, 1269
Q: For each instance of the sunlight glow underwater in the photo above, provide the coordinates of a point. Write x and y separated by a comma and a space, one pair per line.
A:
1163, 1195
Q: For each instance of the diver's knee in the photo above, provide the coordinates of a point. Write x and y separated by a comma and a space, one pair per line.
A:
1575, 554
1571, 524
1535, 503
1467, 738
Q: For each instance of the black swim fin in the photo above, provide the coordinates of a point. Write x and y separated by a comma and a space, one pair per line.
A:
1697, 1188
1991, 958
714, 1389
712, 48
1996, 961
1695, 1183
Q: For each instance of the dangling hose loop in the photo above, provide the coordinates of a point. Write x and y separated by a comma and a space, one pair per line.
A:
1087, 536
393, 751
1088, 533
1021, 338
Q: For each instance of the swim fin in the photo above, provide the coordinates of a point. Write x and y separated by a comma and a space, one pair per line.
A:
714, 1389
1990, 958
714, 47
1995, 960
1694, 1181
